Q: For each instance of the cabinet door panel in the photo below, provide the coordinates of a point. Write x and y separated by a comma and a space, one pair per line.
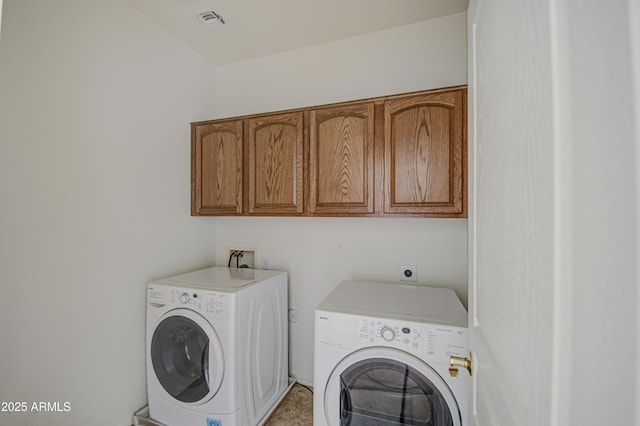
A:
341, 160
217, 168
424, 154
275, 164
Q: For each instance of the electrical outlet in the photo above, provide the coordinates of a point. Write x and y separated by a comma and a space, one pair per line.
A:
408, 273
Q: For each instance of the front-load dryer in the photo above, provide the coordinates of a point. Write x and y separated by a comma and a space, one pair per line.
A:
382, 353
216, 346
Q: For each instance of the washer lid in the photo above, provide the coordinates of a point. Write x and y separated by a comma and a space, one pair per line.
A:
217, 278
221, 278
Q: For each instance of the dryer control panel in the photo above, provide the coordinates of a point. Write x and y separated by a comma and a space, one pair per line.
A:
433, 343
404, 335
444, 341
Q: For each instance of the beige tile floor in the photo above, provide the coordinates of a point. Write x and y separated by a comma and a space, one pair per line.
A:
296, 409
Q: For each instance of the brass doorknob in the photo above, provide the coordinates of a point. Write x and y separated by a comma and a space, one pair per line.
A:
456, 361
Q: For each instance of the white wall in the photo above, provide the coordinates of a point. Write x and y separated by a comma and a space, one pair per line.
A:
95, 103
318, 253
419, 56
602, 245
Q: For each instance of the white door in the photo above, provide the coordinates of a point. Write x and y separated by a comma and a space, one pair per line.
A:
553, 212
511, 214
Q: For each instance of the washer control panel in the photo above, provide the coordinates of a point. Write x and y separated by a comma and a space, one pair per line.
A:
209, 303
404, 335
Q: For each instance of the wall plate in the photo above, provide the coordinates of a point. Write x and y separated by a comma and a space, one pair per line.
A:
408, 273
247, 260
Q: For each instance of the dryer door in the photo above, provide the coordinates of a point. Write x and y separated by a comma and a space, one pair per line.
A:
383, 387
187, 358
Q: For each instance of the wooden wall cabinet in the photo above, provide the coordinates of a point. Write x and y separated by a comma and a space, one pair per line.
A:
341, 160
425, 155
402, 155
276, 155
248, 166
217, 168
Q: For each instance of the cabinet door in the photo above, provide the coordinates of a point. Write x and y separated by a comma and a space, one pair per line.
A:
216, 179
341, 160
275, 164
425, 154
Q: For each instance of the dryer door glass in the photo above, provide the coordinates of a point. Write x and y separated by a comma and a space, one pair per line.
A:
385, 392
180, 357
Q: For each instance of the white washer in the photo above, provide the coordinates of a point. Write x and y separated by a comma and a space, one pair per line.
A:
216, 346
382, 356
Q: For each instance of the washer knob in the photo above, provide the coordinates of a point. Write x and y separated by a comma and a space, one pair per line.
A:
387, 333
184, 298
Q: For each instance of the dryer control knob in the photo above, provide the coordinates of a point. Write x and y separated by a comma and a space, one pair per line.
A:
387, 333
184, 298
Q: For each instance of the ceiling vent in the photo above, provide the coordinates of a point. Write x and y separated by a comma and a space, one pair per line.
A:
210, 19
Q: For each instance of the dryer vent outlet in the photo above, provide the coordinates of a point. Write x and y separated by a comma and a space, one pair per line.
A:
408, 273
241, 257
